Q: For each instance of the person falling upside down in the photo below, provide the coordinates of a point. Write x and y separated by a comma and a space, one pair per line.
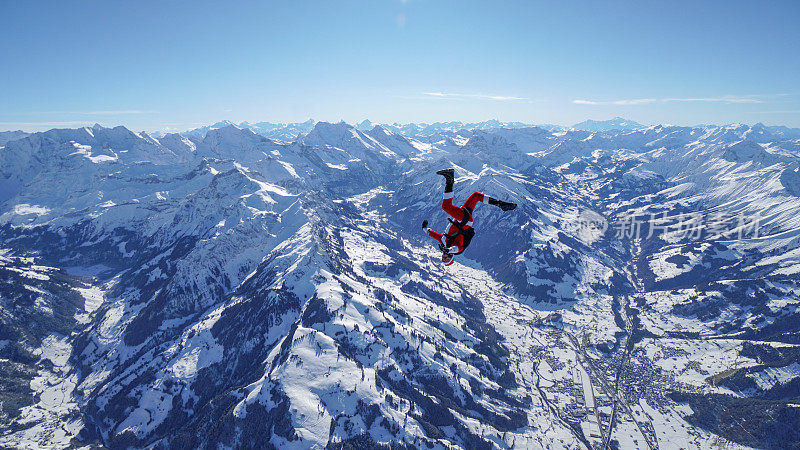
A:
460, 233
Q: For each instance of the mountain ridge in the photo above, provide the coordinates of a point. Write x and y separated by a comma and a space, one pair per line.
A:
234, 288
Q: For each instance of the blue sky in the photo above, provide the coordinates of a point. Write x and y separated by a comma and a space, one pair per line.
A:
176, 65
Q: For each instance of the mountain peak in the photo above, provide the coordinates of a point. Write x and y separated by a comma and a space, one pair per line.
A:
364, 125
231, 131
326, 133
617, 123
322, 127
231, 127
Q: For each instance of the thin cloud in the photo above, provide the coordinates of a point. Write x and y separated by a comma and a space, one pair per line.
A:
644, 101
42, 124
638, 101
100, 112
501, 98
783, 111
120, 112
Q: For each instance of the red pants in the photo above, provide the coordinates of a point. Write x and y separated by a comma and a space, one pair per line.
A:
458, 215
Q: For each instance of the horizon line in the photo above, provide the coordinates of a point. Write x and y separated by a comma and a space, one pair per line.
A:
57, 125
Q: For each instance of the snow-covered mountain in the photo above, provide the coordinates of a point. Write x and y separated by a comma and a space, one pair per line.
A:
222, 288
6, 136
288, 132
617, 123
283, 132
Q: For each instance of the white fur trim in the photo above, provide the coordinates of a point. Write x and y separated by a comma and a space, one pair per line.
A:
447, 195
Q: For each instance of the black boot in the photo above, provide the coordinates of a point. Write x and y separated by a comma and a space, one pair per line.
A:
505, 206
424, 224
449, 178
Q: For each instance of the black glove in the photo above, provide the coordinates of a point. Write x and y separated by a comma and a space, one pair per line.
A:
443, 248
507, 206
424, 224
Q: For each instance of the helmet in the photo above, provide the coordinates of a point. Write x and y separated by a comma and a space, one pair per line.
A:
447, 258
